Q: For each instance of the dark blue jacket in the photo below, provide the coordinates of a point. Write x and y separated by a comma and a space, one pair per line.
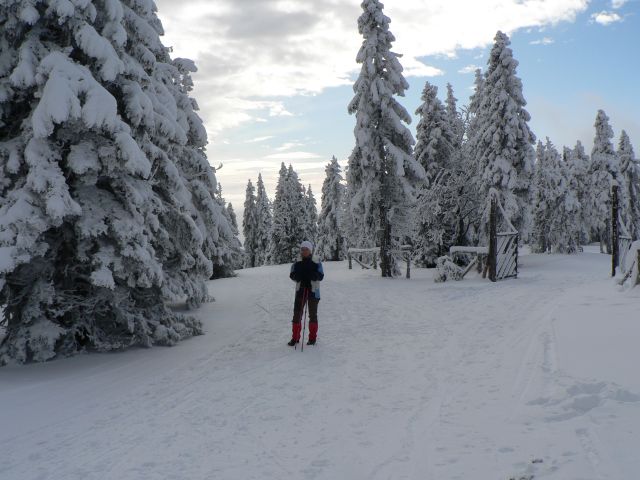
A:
307, 273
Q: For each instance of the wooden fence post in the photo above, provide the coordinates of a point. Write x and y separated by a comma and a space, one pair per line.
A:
375, 261
493, 239
349, 257
517, 252
408, 265
614, 228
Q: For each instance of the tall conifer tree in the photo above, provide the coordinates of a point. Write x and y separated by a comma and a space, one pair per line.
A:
108, 202
382, 172
578, 166
250, 226
289, 217
233, 256
502, 144
454, 119
474, 107
435, 215
630, 182
555, 209
233, 218
311, 216
603, 169
330, 233
265, 223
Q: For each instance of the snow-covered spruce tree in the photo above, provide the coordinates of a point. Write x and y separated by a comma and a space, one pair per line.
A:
435, 138
555, 219
435, 219
265, 223
178, 142
475, 101
250, 226
382, 172
566, 222
220, 244
344, 219
108, 201
502, 145
542, 202
289, 208
279, 246
233, 219
460, 183
603, 169
470, 221
630, 182
296, 199
330, 236
577, 163
311, 216
454, 118
237, 258
231, 257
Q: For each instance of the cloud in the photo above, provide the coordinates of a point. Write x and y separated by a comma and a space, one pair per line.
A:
606, 18
469, 69
255, 54
543, 41
616, 4
260, 139
293, 156
288, 146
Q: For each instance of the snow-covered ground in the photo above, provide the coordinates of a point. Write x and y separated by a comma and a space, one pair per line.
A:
409, 380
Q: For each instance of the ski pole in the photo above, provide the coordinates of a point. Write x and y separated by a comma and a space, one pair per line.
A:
305, 297
295, 347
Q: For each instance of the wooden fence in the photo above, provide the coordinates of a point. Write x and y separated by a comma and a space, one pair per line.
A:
358, 254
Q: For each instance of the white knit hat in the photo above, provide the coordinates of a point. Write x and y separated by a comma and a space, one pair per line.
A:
307, 244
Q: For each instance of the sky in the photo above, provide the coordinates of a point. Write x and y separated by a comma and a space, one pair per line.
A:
275, 76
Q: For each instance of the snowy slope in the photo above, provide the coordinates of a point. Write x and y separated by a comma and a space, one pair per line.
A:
409, 380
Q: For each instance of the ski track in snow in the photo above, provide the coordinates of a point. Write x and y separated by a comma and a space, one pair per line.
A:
409, 380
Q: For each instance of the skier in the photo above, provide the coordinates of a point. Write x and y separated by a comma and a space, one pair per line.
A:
307, 273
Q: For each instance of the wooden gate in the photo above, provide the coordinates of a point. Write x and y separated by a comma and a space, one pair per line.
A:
507, 255
502, 261
624, 245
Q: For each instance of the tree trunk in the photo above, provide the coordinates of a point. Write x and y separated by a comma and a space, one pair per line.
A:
460, 237
614, 229
386, 268
493, 241
386, 259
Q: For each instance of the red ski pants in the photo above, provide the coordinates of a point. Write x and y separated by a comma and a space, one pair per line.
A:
312, 309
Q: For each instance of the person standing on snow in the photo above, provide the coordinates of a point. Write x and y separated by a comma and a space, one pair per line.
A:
307, 273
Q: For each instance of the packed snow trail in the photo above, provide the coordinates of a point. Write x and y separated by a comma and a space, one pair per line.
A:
409, 380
